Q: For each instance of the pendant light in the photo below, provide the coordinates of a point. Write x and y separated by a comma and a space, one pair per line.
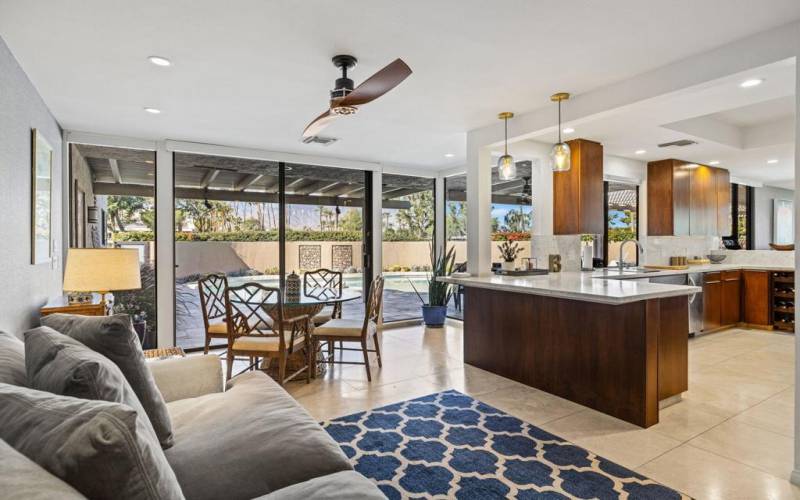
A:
560, 154
506, 168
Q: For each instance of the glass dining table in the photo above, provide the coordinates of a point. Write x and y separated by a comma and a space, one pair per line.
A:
312, 301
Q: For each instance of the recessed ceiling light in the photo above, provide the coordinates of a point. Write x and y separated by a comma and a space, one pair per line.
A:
153, 111
713, 162
159, 61
752, 82
149, 162
568, 130
772, 161
640, 152
449, 155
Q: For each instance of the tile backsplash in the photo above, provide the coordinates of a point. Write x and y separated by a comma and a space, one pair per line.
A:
658, 249
568, 246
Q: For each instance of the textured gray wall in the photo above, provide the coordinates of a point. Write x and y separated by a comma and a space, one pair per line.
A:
23, 287
762, 205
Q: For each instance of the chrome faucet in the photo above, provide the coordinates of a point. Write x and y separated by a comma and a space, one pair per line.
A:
621, 262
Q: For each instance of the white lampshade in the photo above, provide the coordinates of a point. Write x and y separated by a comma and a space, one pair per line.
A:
102, 270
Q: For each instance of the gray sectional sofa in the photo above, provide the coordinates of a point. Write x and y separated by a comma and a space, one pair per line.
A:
247, 439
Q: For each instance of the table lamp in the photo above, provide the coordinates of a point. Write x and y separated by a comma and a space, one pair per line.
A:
102, 270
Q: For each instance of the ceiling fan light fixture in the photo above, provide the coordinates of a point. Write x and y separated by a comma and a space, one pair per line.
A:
506, 168
344, 110
560, 154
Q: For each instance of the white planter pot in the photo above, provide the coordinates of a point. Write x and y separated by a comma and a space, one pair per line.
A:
508, 266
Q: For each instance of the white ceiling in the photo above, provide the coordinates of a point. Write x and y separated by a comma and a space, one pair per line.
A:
253, 73
741, 128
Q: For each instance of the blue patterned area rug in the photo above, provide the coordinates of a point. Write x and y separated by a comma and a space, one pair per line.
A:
449, 445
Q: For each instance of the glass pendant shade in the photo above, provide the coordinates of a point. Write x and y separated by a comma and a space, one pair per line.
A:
506, 168
560, 157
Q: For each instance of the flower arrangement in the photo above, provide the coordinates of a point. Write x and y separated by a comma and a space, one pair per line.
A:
509, 250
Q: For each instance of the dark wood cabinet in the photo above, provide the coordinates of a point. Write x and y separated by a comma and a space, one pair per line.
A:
731, 297
712, 301
578, 192
756, 297
687, 199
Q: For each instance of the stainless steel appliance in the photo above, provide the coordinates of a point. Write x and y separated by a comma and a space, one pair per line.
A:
695, 300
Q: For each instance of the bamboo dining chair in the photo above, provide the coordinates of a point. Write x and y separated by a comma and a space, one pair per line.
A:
212, 289
354, 330
260, 330
324, 279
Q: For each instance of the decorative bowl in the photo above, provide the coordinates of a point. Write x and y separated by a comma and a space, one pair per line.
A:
716, 259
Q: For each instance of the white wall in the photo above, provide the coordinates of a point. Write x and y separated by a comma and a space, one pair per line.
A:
762, 217
25, 287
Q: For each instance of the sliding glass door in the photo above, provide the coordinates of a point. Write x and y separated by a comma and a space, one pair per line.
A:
259, 221
408, 221
112, 205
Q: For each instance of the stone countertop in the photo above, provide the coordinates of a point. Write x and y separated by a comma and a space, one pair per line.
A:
613, 274
577, 286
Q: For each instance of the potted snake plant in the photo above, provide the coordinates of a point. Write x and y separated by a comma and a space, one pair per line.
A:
509, 251
434, 311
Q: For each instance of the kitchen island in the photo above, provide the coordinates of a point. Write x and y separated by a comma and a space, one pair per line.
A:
617, 346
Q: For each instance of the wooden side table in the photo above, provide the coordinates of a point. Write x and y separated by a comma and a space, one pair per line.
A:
61, 305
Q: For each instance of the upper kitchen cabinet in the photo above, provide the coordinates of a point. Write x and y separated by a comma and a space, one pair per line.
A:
687, 199
578, 192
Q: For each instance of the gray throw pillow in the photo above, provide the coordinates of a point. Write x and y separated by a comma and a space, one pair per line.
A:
62, 365
96, 447
12, 360
23, 479
115, 338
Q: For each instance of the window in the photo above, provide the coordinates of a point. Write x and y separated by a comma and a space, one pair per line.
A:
512, 213
741, 215
622, 222
408, 220
455, 230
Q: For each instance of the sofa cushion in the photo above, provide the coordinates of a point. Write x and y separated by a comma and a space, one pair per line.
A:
115, 338
12, 360
23, 479
344, 485
266, 440
94, 446
62, 365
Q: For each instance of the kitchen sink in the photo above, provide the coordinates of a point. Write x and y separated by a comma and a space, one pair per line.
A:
629, 270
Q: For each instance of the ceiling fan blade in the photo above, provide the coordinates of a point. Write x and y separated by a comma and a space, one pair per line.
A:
378, 84
319, 123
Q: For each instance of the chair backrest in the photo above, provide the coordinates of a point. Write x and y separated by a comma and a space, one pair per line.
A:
322, 279
374, 305
249, 307
213, 289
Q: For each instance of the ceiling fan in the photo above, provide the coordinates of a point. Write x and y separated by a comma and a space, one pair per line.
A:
345, 99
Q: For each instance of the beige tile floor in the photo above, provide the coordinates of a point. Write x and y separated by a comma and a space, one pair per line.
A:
730, 438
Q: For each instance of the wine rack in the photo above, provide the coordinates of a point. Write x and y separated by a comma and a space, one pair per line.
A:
783, 301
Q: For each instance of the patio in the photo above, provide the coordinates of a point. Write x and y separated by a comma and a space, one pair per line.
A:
399, 305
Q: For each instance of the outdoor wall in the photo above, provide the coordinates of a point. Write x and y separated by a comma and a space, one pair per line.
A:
201, 257
25, 287
762, 217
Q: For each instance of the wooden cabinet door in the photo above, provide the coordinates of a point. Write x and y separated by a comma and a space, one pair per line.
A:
660, 198
755, 297
723, 206
703, 202
731, 297
712, 301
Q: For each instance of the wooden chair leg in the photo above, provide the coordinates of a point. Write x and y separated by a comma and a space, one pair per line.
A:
208, 342
330, 352
366, 359
281, 368
377, 349
230, 364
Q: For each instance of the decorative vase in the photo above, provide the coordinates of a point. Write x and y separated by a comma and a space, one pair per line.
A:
434, 316
508, 265
293, 287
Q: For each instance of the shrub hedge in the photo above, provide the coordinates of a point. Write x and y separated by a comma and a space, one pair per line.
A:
297, 235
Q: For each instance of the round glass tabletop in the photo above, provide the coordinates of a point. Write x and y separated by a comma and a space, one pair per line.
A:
320, 296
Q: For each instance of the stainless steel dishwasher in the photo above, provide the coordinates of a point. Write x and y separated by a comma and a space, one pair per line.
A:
695, 300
